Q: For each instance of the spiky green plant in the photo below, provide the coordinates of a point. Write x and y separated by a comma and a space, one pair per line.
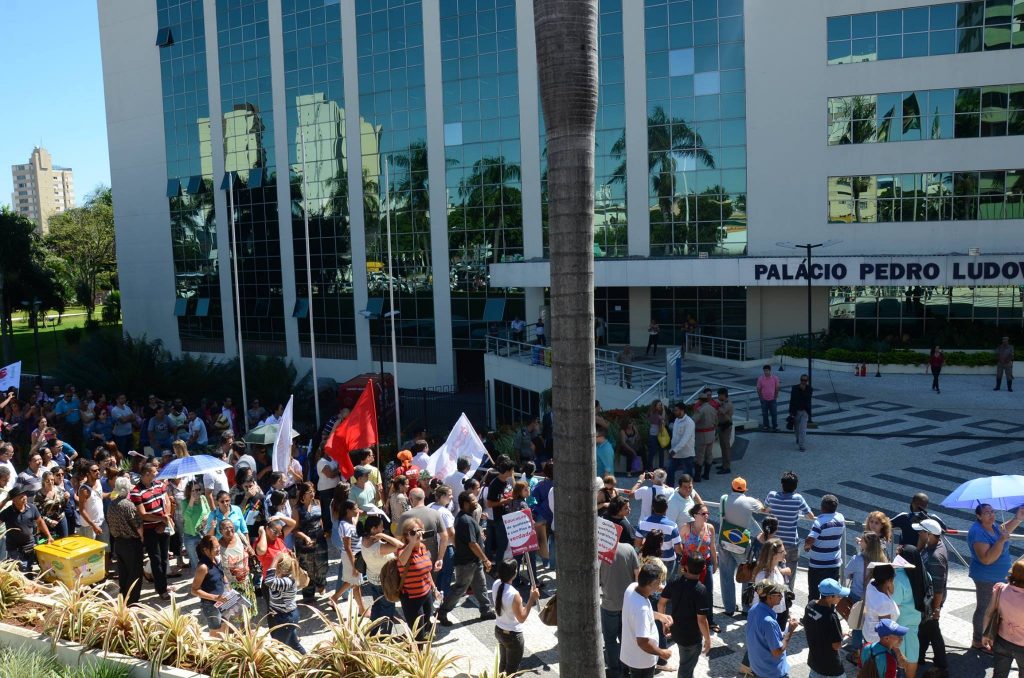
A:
352, 649
13, 586
420, 659
23, 663
118, 629
172, 638
73, 612
249, 652
494, 670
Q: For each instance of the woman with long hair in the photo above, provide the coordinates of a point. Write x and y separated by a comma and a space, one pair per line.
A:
194, 518
1008, 643
771, 566
378, 547
346, 538
51, 500
880, 524
512, 615
909, 595
871, 551
699, 537
310, 541
210, 583
398, 500
417, 594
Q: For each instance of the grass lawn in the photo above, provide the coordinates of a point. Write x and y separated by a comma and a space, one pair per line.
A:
53, 340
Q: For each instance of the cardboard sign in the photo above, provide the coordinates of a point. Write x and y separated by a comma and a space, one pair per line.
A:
608, 534
522, 538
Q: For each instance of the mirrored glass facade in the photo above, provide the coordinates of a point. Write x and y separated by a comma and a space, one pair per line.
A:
193, 226
610, 231
249, 161
952, 28
960, 113
482, 159
392, 102
318, 162
929, 196
912, 311
696, 127
713, 311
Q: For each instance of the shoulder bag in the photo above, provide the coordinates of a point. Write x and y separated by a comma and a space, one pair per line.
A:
992, 623
549, 615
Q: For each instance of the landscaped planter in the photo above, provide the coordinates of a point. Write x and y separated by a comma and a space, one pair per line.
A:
833, 366
73, 654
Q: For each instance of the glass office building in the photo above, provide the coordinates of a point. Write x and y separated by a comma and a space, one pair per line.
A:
288, 138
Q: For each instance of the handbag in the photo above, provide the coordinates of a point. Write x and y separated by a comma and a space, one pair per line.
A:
992, 623
745, 572
664, 439
844, 606
856, 618
549, 614
635, 466
790, 422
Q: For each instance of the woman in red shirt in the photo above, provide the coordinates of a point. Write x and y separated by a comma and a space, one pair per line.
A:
936, 359
416, 566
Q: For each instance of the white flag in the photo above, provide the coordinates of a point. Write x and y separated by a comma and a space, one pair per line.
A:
10, 376
462, 442
283, 444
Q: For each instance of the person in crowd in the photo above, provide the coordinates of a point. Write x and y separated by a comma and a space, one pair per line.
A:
195, 515
24, 526
770, 566
90, 503
800, 409
126, 539
605, 494
615, 577
630, 447
160, 430
455, 478
416, 565
935, 559
363, 492
310, 541
726, 410
100, 431
789, 506
768, 386
605, 453
150, 497
235, 552
442, 506
1007, 645
858, 574
639, 652
223, 510
1004, 364
824, 631
210, 585
123, 417
328, 478
936, 359
698, 538
470, 562
880, 524
348, 542
766, 644
435, 536
904, 522
398, 500
738, 509
269, 542
884, 651
511, 615
542, 516
51, 500
824, 544
878, 602
377, 548
690, 629
283, 580
909, 593
618, 512
498, 497
681, 447
705, 421
656, 423
988, 541
672, 544
645, 493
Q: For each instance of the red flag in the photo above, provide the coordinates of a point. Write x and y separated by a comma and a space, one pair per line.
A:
359, 429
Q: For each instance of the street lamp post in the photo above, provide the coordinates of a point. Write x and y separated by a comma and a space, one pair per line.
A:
32, 308
808, 249
52, 321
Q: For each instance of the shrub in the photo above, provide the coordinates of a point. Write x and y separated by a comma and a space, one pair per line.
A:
111, 312
890, 357
73, 335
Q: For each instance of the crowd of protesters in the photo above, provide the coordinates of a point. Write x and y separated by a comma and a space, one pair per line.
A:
408, 546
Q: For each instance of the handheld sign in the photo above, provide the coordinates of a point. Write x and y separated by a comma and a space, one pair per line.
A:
608, 534
522, 538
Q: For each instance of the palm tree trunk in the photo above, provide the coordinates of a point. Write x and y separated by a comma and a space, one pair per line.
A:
567, 68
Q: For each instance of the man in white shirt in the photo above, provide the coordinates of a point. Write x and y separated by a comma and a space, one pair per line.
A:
328, 478
6, 452
216, 482
681, 449
681, 501
639, 651
648, 492
197, 437
454, 481
421, 454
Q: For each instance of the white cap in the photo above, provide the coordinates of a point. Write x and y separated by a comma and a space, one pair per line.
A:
929, 525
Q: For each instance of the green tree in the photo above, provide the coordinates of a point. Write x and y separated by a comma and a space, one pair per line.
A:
567, 73
83, 237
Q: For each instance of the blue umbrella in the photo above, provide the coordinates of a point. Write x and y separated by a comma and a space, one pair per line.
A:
1005, 493
191, 466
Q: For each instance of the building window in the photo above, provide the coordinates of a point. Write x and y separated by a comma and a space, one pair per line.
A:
952, 28
514, 406
930, 196
164, 37
705, 311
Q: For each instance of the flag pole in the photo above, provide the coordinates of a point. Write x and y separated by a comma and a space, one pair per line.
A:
238, 296
391, 296
309, 280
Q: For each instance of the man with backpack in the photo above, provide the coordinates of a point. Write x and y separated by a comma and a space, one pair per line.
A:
882, 658
470, 562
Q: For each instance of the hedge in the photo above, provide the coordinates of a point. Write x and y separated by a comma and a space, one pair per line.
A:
898, 357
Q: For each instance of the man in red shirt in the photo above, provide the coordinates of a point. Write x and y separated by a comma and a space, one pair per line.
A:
768, 392
150, 497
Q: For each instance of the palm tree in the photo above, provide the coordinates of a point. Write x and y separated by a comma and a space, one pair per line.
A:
489, 190
567, 73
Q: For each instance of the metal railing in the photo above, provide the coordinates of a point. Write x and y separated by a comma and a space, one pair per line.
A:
658, 388
727, 348
735, 395
608, 370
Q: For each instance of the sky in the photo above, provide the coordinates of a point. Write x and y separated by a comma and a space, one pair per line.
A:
52, 90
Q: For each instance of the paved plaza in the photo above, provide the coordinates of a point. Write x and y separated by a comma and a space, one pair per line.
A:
879, 440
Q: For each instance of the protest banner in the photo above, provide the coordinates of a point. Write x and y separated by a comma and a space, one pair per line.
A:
608, 534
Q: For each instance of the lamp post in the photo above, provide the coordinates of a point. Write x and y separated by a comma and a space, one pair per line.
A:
371, 315
52, 321
32, 308
808, 249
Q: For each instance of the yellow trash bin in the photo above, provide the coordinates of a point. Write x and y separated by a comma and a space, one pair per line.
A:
73, 559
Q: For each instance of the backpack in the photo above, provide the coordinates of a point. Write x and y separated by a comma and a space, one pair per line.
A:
392, 580
868, 669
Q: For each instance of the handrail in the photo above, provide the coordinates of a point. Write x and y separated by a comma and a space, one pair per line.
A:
636, 400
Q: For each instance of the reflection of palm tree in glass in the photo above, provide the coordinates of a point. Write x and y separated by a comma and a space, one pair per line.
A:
411, 198
669, 140
493, 205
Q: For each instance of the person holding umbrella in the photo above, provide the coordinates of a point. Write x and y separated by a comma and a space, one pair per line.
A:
990, 560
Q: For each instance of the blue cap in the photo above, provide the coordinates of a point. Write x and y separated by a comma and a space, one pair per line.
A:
888, 627
830, 587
